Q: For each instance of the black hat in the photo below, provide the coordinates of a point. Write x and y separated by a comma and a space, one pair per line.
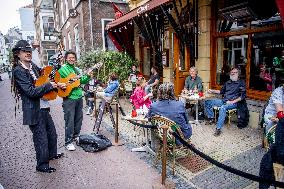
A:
22, 45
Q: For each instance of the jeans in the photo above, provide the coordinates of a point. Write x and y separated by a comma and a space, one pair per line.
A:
73, 116
209, 104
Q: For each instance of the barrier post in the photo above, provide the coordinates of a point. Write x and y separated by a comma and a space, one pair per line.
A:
164, 155
116, 124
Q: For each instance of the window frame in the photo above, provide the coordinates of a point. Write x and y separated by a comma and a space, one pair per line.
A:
251, 93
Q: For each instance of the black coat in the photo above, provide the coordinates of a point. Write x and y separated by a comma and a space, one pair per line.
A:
243, 114
30, 94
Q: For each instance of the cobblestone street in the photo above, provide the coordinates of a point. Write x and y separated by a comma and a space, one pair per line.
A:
115, 167
118, 167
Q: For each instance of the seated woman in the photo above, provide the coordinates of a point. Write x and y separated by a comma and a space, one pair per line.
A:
193, 82
111, 88
139, 97
275, 105
169, 107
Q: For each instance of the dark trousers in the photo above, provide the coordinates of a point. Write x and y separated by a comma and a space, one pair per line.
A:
44, 138
73, 116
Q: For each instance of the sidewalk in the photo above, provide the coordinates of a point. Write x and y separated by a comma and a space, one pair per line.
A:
115, 167
238, 148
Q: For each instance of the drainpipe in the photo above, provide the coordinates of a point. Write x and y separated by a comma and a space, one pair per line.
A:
91, 23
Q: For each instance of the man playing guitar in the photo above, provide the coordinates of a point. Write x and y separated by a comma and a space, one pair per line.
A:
73, 103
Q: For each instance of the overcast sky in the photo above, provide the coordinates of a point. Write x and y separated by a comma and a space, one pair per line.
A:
9, 13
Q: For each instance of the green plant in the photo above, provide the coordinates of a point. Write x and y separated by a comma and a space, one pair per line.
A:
113, 61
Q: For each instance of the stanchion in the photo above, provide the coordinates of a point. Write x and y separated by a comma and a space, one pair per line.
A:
164, 155
116, 124
116, 134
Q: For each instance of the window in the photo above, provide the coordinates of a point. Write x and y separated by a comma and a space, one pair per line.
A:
267, 68
77, 40
62, 13
48, 27
231, 52
64, 43
69, 41
250, 39
66, 9
107, 42
50, 53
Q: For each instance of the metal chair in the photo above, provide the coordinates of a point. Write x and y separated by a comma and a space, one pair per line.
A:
172, 150
230, 113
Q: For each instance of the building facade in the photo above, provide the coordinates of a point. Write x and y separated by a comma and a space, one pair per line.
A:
4, 53
27, 22
82, 22
214, 36
45, 29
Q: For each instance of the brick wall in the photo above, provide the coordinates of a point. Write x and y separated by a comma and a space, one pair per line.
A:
100, 10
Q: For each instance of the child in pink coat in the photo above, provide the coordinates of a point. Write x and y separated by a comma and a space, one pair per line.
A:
139, 97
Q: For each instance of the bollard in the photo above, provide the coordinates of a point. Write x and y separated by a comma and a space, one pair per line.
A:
116, 124
95, 103
164, 155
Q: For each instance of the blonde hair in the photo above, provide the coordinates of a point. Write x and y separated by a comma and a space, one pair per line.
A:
194, 69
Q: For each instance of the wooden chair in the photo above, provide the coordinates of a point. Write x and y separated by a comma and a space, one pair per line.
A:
278, 172
172, 150
126, 88
230, 113
269, 137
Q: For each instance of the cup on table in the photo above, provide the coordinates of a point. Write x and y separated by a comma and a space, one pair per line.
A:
133, 113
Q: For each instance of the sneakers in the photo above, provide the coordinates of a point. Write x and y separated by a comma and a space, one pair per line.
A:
217, 132
209, 121
70, 147
89, 111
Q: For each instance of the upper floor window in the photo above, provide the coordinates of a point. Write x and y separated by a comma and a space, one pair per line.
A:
62, 13
107, 42
69, 41
77, 40
66, 9
48, 27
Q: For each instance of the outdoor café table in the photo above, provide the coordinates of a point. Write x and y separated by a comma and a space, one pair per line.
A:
195, 100
143, 120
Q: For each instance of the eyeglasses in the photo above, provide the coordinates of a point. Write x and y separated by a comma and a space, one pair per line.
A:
234, 72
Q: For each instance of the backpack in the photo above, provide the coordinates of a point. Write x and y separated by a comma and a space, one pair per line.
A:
93, 142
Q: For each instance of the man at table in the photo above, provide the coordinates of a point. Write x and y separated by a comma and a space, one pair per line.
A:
167, 106
233, 91
153, 81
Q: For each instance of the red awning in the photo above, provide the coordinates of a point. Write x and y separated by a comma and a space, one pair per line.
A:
136, 12
280, 5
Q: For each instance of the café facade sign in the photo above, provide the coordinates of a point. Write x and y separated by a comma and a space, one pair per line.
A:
136, 12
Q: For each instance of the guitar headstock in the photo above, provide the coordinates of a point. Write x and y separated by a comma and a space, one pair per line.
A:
98, 65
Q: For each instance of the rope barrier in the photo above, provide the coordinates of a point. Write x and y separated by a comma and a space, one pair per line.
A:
228, 168
143, 125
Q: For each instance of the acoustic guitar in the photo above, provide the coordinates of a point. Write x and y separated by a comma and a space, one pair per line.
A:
72, 81
48, 74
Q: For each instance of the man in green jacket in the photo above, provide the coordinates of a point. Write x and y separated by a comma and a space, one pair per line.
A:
72, 104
